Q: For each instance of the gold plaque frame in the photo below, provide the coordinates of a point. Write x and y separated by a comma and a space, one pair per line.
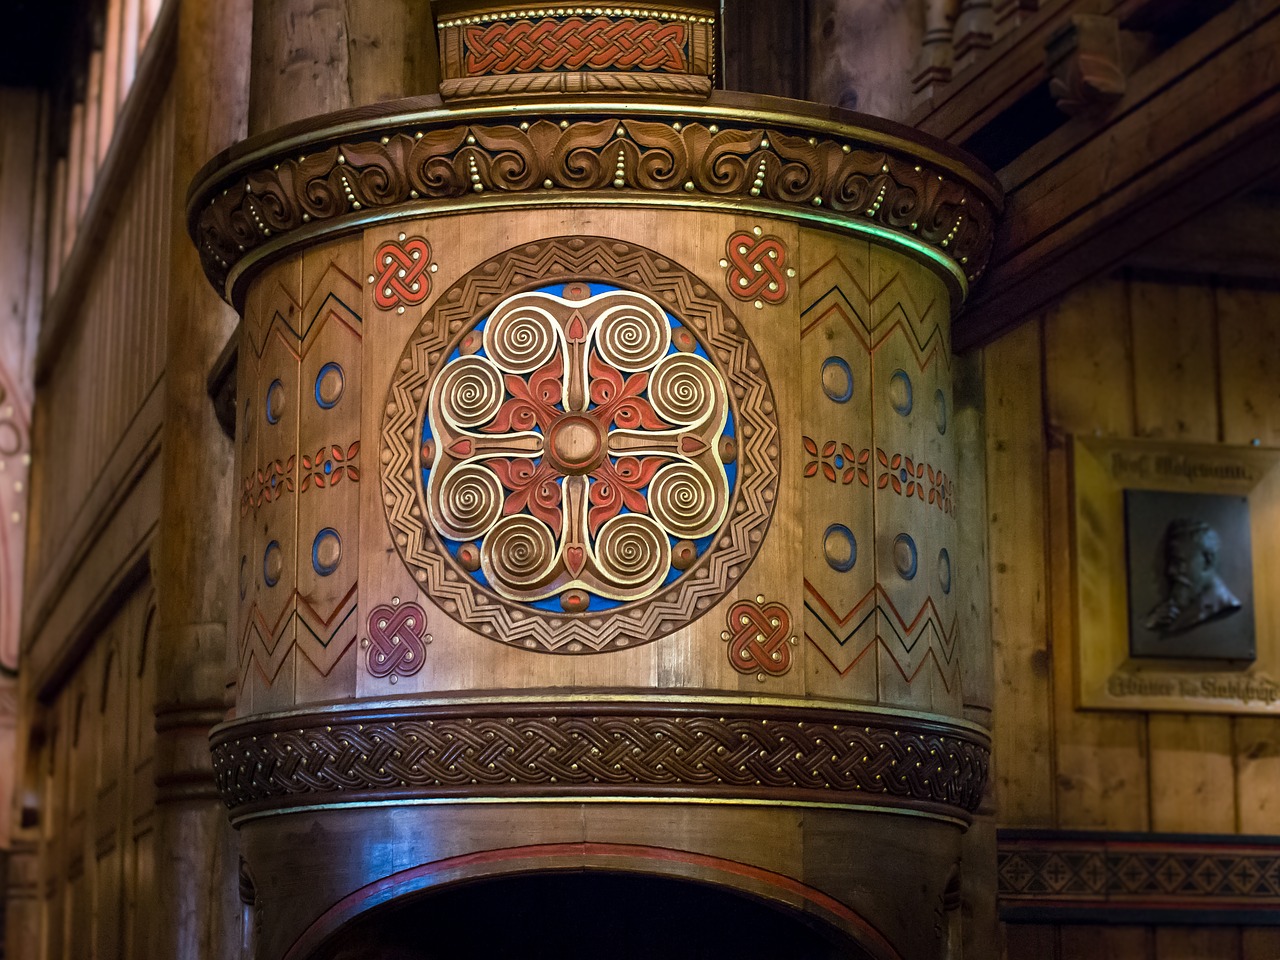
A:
1108, 678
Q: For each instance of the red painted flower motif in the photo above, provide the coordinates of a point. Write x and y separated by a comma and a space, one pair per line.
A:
837, 461
617, 402
328, 467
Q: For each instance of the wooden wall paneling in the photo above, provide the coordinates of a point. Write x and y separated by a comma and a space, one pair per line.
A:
1086, 942
272, 555
1259, 943
1101, 774
331, 471
109, 706
1031, 941
139, 868
1175, 375
1197, 943
973, 570
1023, 736
841, 658
1249, 344
915, 538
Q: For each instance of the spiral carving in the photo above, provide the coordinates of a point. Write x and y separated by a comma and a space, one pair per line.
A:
468, 501
519, 549
474, 388
633, 549
633, 335
522, 335
683, 389
684, 500
576, 447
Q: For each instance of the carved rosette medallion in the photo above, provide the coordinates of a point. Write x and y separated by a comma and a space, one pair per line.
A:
576, 466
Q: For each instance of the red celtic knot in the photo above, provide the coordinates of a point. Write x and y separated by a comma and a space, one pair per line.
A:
527, 46
756, 267
403, 273
397, 640
759, 638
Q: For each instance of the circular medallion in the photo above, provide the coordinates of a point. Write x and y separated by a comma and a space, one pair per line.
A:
584, 462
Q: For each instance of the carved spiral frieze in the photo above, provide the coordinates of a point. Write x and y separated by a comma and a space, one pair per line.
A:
547, 450
848, 175
708, 751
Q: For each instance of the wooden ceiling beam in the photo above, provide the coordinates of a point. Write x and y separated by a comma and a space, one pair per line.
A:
1197, 125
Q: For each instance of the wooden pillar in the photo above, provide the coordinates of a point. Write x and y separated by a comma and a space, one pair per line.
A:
316, 56
197, 911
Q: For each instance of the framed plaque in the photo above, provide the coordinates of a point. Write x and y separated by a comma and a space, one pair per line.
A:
1171, 564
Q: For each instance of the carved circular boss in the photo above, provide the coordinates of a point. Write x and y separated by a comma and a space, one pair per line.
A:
579, 449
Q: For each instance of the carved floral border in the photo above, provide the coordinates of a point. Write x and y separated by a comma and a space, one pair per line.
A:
852, 177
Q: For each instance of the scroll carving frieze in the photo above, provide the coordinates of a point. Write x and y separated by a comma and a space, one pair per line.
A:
579, 467
849, 180
602, 750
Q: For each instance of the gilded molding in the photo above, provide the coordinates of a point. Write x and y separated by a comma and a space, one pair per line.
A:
688, 751
334, 179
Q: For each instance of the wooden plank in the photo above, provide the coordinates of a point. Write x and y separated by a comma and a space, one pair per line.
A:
1023, 736
1249, 340
1030, 941
1086, 942
1101, 758
1259, 943
1197, 943
1176, 397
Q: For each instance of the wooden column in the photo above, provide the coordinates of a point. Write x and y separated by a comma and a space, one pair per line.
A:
315, 56
196, 913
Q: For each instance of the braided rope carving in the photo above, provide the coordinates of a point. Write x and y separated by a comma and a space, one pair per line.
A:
596, 749
524, 46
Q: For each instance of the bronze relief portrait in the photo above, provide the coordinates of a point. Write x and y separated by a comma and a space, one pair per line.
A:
1190, 576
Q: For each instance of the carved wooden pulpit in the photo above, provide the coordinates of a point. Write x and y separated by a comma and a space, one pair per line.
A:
597, 501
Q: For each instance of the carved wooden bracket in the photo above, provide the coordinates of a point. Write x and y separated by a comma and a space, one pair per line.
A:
1084, 63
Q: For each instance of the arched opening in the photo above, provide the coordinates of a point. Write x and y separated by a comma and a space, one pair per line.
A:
587, 914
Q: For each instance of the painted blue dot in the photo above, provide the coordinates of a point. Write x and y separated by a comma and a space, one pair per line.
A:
328, 466
329, 385
900, 392
274, 406
839, 462
944, 570
837, 379
904, 556
902, 474
839, 547
326, 551
272, 562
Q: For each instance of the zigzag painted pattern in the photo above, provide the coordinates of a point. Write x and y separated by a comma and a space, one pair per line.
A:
690, 596
322, 639
844, 639
875, 314
924, 325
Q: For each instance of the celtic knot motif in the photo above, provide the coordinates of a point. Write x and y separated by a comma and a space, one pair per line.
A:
760, 638
527, 46
756, 267
397, 640
575, 749
574, 448
403, 277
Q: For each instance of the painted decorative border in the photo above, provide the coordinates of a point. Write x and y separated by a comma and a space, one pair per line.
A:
601, 750
751, 398
1053, 876
359, 170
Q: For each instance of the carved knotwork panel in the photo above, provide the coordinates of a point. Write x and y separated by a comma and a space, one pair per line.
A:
582, 464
